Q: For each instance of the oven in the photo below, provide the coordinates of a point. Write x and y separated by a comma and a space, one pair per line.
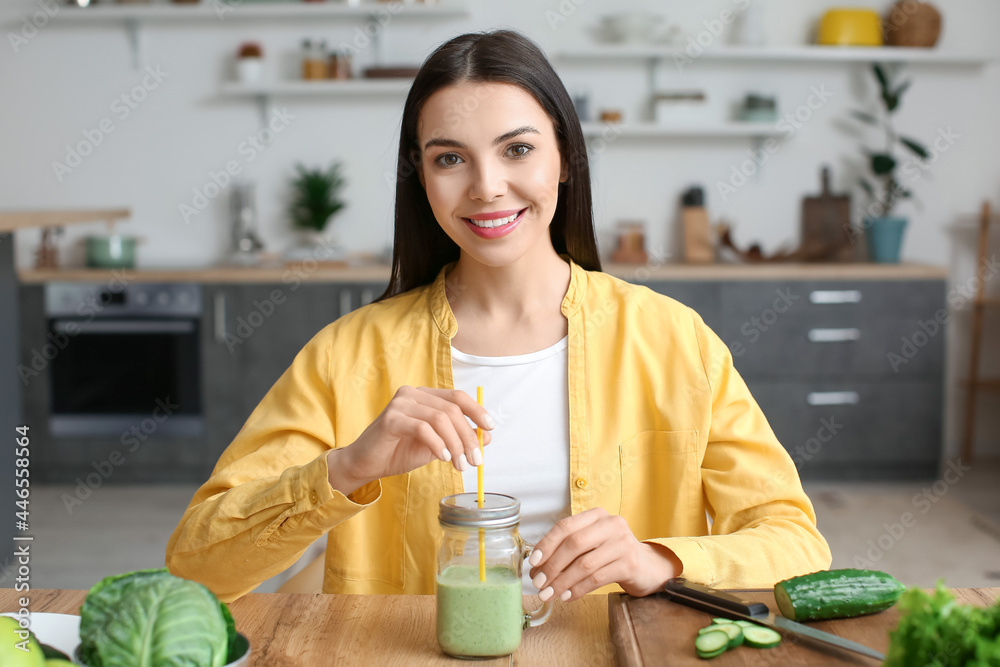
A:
124, 356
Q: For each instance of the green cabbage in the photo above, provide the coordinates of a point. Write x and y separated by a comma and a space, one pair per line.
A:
934, 630
151, 618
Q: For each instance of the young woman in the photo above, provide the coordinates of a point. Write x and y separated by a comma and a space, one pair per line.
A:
612, 412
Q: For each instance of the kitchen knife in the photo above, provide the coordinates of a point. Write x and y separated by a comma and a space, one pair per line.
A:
725, 605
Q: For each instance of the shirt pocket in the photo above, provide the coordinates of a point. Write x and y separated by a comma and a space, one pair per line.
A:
661, 482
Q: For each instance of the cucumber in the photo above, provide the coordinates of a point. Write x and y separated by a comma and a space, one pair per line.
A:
745, 624
836, 594
711, 644
735, 633
722, 621
713, 654
760, 637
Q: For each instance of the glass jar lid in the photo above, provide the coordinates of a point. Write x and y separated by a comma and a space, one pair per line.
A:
463, 511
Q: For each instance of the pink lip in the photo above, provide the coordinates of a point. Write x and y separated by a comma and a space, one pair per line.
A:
496, 232
494, 215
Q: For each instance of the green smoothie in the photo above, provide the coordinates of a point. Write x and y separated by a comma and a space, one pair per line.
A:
475, 618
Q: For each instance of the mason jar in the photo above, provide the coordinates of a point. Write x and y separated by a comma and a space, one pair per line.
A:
480, 614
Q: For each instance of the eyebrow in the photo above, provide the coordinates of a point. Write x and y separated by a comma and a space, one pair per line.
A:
451, 143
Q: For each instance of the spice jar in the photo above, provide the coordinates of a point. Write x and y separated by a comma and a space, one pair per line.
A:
313, 60
339, 65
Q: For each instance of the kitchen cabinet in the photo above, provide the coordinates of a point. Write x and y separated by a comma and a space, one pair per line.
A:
250, 336
849, 373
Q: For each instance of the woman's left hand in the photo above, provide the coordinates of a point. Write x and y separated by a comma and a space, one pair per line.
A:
592, 549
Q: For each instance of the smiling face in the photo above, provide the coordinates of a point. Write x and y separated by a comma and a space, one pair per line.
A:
491, 167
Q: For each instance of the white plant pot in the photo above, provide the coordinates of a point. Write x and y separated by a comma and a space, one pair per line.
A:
249, 70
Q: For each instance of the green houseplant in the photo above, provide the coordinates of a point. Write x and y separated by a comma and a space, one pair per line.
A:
316, 196
315, 200
884, 231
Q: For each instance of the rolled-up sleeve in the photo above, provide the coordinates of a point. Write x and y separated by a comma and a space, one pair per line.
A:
269, 497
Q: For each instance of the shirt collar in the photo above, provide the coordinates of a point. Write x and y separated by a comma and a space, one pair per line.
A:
445, 320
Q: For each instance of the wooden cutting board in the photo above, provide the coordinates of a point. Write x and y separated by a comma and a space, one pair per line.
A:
825, 222
655, 631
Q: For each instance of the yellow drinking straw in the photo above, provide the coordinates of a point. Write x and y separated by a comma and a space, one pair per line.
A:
479, 479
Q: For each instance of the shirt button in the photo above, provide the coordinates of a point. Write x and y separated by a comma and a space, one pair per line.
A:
581, 483
314, 497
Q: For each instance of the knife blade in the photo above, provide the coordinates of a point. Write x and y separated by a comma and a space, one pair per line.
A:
719, 603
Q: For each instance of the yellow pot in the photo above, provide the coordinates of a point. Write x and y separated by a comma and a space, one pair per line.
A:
850, 27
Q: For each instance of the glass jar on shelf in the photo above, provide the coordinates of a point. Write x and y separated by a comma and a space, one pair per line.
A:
313, 60
339, 65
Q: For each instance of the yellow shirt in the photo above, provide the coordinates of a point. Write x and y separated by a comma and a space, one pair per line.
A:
663, 431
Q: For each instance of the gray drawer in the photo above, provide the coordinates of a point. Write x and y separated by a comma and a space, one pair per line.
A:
877, 328
856, 428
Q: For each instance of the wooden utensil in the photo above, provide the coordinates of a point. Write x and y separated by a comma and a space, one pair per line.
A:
826, 223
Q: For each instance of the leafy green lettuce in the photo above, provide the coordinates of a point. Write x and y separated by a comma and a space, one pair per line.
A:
151, 618
936, 631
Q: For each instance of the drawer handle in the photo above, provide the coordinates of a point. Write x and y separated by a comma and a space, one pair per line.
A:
345, 301
835, 296
832, 398
220, 317
833, 335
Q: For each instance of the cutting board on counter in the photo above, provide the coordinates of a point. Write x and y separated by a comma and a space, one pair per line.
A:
655, 631
826, 223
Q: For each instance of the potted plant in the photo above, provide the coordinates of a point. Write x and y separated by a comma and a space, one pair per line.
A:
315, 200
883, 230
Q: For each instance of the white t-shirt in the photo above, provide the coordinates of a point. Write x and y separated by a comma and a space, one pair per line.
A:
528, 457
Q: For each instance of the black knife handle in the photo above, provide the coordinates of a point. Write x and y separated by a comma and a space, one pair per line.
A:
691, 594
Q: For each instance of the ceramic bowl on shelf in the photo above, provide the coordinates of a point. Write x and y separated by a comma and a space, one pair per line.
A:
850, 27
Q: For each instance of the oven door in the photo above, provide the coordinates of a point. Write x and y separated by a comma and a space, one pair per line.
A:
116, 375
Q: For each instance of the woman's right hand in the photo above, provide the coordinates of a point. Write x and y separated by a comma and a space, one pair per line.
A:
418, 425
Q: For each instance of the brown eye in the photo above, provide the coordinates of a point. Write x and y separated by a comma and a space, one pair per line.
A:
519, 150
447, 160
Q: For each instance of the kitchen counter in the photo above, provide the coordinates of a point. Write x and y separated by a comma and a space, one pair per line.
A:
319, 273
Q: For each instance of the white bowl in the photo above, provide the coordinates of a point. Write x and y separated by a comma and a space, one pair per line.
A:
62, 632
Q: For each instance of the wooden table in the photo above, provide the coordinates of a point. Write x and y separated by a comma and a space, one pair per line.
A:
376, 630
385, 630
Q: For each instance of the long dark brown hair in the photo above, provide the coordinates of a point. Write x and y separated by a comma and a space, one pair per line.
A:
420, 247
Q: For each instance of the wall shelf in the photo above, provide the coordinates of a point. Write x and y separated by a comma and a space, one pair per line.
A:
329, 89
789, 54
221, 11
214, 13
326, 88
647, 130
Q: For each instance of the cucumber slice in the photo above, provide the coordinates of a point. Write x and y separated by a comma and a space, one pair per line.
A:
760, 637
735, 633
746, 624
710, 628
711, 642
713, 654
722, 621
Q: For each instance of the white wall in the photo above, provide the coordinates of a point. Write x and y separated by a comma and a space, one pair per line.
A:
65, 80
